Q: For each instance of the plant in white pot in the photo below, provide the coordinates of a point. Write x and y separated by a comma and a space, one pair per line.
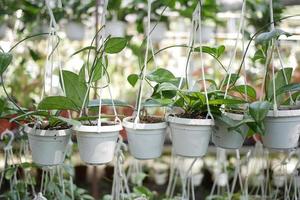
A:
96, 137
276, 116
116, 22
146, 134
47, 131
76, 12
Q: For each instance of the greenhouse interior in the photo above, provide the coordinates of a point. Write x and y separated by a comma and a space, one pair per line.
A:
149, 99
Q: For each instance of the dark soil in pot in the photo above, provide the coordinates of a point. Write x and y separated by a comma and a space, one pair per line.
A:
46, 126
149, 120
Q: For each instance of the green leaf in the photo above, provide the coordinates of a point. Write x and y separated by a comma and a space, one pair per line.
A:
98, 70
225, 101
279, 82
267, 36
142, 191
5, 60
9, 172
132, 79
81, 75
35, 55
57, 103
293, 87
26, 165
157, 102
233, 79
166, 87
68, 120
75, 89
259, 110
84, 49
161, 75
216, 52
246, 90
259, 55
241, 123
115, 45
220, 51
2, 106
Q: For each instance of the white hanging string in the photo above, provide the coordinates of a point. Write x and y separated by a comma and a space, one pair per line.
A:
190, 45
283, 71
102, 40
209, 114
52, 50
144, 71
273, 67
103, 21
229, 69
120, 188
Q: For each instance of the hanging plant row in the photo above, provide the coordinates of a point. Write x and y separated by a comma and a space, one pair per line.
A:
195, 112
227, 112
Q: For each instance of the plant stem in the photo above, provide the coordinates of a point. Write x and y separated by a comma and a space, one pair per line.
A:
255, 35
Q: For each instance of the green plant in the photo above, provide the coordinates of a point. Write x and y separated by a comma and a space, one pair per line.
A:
76, 88
277, 90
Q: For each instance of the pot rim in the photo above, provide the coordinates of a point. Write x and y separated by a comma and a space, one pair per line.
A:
149, 126
49, 133
234, 116
112, 127
284, 113
192, 122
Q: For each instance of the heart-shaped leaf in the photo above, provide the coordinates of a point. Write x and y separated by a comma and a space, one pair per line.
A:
57, 103
132, 79
5, 60
161, 75
259, 110
267, 36
115, 45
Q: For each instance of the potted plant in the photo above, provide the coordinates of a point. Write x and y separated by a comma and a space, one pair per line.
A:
190, 130
116, 22
283, 117
96, 138
77, 12
48, 132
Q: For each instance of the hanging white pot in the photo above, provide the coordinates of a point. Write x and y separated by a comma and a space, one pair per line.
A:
159, 32
97, 146
48, 147
279, 180
207, 31
115, 28
197, 179
75, 31
145, 141
190, 137
226, 139
160, 173
282, 130
3, 30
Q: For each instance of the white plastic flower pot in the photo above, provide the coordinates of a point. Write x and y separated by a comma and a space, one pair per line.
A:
226, 139
146, 141
282, 131
160, 173
3, 30
158, 33
48, 147
279, 180
197, 179
75, 31
206, 32
115, 28
190, 137
95, 146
